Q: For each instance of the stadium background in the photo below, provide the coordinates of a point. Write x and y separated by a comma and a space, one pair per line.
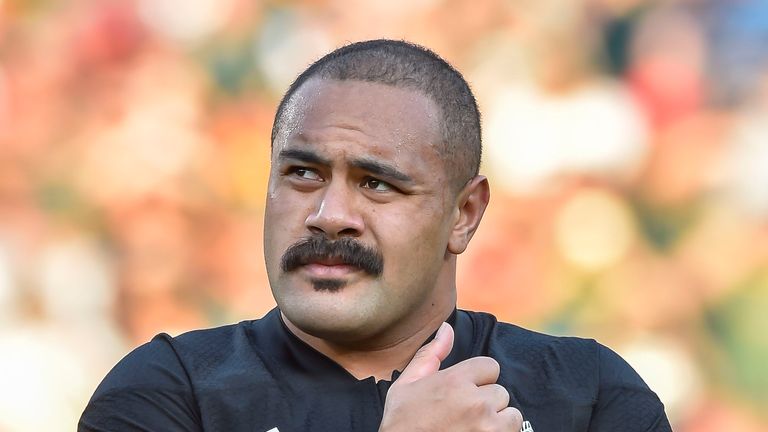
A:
626, 143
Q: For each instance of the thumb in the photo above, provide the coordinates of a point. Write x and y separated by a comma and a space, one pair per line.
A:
427, 359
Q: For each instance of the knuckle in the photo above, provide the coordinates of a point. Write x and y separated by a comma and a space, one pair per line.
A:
501, 393
493, 364
486, 363
512, 417
498, 388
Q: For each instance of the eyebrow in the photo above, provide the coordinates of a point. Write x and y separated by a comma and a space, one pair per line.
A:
381, 169
304, 156
373, 166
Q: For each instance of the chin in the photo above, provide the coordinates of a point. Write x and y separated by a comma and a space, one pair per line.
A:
331, 319
336, 332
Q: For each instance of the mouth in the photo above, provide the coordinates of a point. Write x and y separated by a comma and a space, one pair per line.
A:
329, 269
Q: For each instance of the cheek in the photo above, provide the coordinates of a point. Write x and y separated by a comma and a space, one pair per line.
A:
417, 239
287, 209
283, 221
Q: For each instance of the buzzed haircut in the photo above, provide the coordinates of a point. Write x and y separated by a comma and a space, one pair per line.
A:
409, 66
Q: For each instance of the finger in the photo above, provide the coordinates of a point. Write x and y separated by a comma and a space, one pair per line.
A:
479, 370
511, 419
427, 359
496, 396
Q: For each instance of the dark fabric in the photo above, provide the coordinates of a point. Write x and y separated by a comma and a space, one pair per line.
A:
256, 376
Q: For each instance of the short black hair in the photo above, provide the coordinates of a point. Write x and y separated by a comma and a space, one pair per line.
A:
407, 65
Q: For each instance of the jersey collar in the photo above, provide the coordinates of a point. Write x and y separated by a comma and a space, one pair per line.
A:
296, 354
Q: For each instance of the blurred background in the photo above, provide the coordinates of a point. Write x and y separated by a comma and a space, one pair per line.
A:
626, 142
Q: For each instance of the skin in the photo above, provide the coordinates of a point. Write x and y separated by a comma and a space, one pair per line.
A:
461, 398
359, 159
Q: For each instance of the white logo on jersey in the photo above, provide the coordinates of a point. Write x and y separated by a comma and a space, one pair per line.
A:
526, 427
274, 429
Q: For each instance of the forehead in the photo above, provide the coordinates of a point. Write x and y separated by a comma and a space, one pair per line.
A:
381, 117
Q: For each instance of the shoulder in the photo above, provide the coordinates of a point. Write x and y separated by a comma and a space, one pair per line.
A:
545, 361
533, 346
508, 340
218, 355
542, 367
155, 385
554, 361
163, 362
212, 344
148, 387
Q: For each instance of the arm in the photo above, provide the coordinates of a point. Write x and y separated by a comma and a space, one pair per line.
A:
148, 390
624, 401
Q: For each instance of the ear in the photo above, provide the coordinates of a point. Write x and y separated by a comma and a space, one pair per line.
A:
470, 206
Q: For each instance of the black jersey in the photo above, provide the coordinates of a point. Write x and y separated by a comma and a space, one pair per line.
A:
256, 376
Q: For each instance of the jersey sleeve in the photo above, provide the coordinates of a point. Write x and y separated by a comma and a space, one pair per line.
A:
148, 390
624, 401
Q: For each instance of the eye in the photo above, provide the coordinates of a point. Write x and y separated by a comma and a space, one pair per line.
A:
305, 173
377, 185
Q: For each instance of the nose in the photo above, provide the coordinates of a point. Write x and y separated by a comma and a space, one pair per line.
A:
336, 215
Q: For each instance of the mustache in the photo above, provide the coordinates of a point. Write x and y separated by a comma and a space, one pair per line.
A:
345, 250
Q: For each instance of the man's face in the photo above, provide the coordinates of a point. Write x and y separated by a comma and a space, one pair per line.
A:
359, 212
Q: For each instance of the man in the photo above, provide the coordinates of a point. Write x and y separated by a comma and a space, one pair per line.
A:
373, 192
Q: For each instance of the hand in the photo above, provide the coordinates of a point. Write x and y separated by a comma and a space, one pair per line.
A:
463, 397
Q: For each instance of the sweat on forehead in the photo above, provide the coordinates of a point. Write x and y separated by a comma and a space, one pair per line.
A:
408, 66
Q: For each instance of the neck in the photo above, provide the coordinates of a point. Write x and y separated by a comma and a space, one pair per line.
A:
381, 355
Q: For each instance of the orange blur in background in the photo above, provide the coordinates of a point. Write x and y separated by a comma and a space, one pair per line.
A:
626, 142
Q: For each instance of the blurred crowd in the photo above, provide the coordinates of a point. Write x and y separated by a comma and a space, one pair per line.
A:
626, 142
